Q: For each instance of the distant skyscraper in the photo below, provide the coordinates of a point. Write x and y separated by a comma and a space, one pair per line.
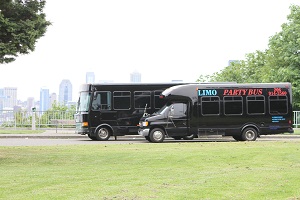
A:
90, 77
44, 99
53, 98
30, 103
65, 92
1, 99
135, 77
9, 97
233, 61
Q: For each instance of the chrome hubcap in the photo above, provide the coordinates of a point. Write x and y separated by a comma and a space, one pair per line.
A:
103, 133
157, 135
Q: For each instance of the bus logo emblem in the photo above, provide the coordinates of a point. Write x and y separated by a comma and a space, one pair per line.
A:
207, 92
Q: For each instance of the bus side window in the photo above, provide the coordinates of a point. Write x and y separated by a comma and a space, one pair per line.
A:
178, 110
101, 101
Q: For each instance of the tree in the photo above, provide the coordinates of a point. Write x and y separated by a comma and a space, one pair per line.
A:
279, 63
22, 23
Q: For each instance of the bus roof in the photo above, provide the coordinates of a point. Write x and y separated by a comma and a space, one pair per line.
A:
188, 90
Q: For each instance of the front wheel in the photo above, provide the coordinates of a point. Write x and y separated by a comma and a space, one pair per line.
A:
249, 134
103, 134
157, 135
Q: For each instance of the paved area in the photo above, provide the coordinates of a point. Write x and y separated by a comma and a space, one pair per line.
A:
53, 133
70, 133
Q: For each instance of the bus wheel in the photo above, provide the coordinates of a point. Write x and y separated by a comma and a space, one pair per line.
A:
103, 134
249, 134
157, 135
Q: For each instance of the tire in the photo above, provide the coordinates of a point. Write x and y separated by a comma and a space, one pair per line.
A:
157, 135
249, 134
92, 137
103, 134
189, 137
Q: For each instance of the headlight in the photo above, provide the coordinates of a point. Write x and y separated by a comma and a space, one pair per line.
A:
145, 123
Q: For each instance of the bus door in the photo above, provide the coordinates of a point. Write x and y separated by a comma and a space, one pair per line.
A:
101, 111
177, 120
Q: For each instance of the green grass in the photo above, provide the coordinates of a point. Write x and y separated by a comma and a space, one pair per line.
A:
200, 170
19, 131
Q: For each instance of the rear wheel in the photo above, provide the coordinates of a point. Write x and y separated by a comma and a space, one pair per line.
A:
249, 134
157, 135
103, 134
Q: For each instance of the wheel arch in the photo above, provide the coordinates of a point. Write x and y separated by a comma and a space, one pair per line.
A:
106, 126
158, 126
251, 125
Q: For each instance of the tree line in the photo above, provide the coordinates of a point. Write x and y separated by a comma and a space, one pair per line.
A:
280, 62
23, 22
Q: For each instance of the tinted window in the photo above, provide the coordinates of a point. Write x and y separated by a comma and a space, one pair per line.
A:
278, 105
255, 105
122, 100
101, 101
233, 105
210, 105
142, 99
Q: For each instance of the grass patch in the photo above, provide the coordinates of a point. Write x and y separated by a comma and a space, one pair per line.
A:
296, 131
200, 170
17, 131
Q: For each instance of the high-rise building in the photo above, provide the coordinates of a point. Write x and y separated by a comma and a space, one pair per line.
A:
53, 98
9, 97
65, 92
1, 99
90, 77
30, 103
233, 61
44, 99
135, 77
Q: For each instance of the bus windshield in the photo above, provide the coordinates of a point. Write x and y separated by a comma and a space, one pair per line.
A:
163, 109
83, 101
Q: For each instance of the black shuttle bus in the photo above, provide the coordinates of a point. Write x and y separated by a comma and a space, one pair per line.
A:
105, 110
243, 111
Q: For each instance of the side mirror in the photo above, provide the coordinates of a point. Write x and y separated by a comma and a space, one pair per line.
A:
171, 112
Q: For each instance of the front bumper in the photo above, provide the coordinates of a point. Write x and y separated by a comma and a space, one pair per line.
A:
144, 132
81, 130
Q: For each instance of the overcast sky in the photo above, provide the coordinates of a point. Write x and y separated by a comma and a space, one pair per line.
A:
164, 40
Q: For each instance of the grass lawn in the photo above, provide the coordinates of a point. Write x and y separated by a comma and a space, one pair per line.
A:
194, 170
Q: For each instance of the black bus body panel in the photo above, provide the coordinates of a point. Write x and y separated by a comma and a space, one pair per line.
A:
228, 109
121, 119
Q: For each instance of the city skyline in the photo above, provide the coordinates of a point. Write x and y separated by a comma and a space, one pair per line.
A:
9, 95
